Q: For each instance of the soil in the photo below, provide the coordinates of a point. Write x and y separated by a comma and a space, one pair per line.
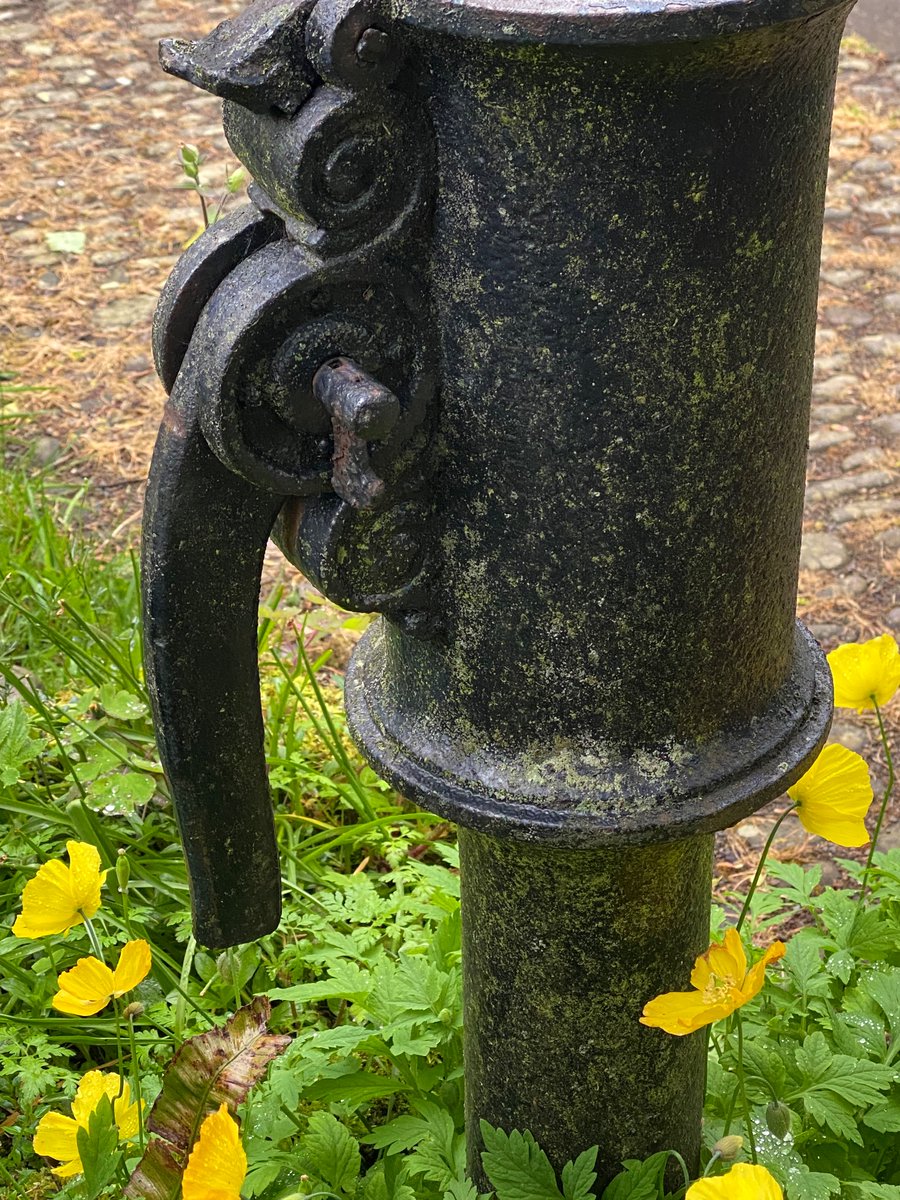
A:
90, 131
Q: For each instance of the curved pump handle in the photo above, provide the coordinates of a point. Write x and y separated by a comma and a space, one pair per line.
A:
290, 336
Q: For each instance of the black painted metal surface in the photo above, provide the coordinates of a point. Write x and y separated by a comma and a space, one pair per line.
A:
596, 227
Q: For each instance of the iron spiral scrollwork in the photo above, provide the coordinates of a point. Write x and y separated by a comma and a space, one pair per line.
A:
294, 338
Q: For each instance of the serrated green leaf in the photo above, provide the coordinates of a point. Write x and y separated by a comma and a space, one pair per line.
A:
332, 1150
516, 1166
17, 747
811, 1185
346, 981
355, 1087
579, 1177
885, 1119
98, 1149
639, 1180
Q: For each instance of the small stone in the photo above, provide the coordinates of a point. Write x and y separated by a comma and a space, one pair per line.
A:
837, 385
752, 835
891, 301
109, 258
845, 314
843, 278
861, 458
57, 96
886, 206
45, 449
855, 64
847, 191
139, 364
893, 619
823, 552
888, 427
829, 413
852, 584
859, 510
48, 280
887, 230
847, 485
826, 363
885, 345
838, 214
872, 165
37, 49
122, 313
890, 538
827, 633
824, 439
851, 736
883, 141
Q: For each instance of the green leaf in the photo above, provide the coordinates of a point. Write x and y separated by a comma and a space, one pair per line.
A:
346, 981
332, 1151
811, 1185
516, 1166
121, 792
65, 241
578, 1177
356, 1087
122, 705
98, 1149
214, 1068
885, 1119
639, 1180
872, 1191
17, 747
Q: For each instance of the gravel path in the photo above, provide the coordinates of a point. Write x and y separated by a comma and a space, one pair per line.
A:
89, 136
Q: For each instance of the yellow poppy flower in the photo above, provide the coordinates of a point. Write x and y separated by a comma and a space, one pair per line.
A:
745, 1181
61, 896
722, 984
91, 984
865, 673
834, 795
217, 1166
57, 1135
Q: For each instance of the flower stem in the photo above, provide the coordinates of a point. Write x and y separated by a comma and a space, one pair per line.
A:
136, 1077
93, 939
881, 812
741, 1084
687, 1175
119, 1053
762, 862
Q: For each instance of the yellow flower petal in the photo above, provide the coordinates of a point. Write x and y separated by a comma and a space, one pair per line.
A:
679, 1013
92, 1087
865, 673
722, 984
132, 967
57, 1137
85, 989
86, 876
756, 976
834, 796
59, 897
745, 1181
217, 1166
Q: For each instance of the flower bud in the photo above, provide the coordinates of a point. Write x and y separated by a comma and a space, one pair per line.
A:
445, 1016
778, 1118
123, 870
728, 1148
132, 1010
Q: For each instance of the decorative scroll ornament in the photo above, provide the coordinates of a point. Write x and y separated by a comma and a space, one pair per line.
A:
322, 107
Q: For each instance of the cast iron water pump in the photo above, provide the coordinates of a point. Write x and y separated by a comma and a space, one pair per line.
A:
513, 345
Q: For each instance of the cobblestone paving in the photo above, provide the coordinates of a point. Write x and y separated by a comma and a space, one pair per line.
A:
89, 134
